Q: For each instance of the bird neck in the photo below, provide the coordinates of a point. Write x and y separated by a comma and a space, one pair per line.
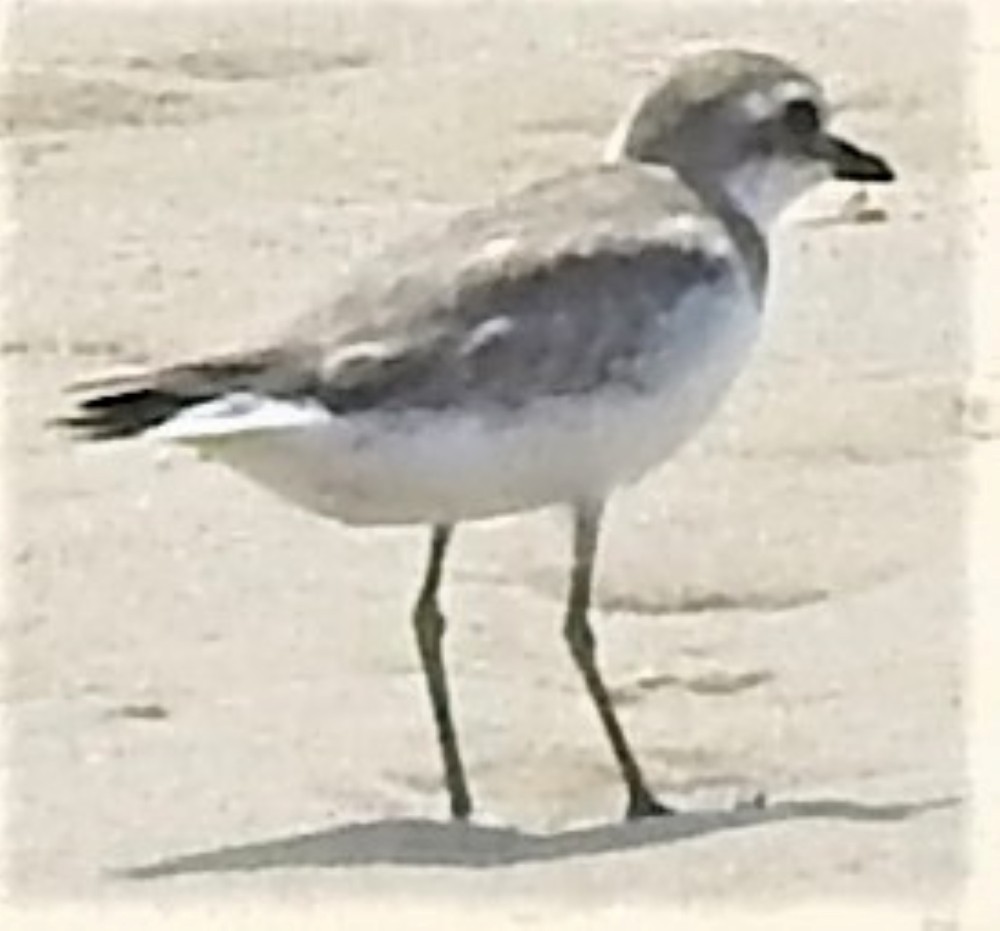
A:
747, 194
747, 229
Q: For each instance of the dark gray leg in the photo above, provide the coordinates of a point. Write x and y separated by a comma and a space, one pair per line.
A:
586, 525
429, 624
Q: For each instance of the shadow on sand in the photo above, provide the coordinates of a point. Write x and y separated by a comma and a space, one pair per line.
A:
415, 842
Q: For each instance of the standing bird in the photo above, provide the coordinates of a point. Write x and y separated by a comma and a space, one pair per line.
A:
540, 351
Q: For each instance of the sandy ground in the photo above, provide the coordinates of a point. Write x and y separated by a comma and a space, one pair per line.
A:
210, 694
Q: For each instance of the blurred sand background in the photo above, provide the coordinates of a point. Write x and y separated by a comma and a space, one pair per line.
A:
222, 693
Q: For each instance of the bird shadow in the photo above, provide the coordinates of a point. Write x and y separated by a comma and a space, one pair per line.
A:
424, 843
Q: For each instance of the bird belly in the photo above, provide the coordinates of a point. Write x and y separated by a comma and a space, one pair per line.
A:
470, 462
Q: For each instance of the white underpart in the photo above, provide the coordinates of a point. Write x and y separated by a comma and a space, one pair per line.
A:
240, 414
465, 463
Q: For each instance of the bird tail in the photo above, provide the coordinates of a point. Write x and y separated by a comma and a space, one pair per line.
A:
119, 406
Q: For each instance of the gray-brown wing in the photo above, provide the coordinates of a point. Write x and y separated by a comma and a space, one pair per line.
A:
554, 293
568, 328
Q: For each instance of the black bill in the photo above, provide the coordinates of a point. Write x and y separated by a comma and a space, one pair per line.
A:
853, 164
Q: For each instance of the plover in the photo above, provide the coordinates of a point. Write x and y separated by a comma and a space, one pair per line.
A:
543, 350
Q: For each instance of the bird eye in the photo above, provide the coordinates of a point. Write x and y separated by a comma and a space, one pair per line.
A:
801, 117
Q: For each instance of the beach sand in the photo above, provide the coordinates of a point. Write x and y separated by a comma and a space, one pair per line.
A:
210, 695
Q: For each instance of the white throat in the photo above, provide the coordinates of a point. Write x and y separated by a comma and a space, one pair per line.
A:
763, 189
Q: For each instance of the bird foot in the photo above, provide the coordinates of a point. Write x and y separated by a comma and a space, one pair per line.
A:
461, 809
645, 805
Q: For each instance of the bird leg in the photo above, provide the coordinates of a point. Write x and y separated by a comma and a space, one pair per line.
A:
580, 637
429, 624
